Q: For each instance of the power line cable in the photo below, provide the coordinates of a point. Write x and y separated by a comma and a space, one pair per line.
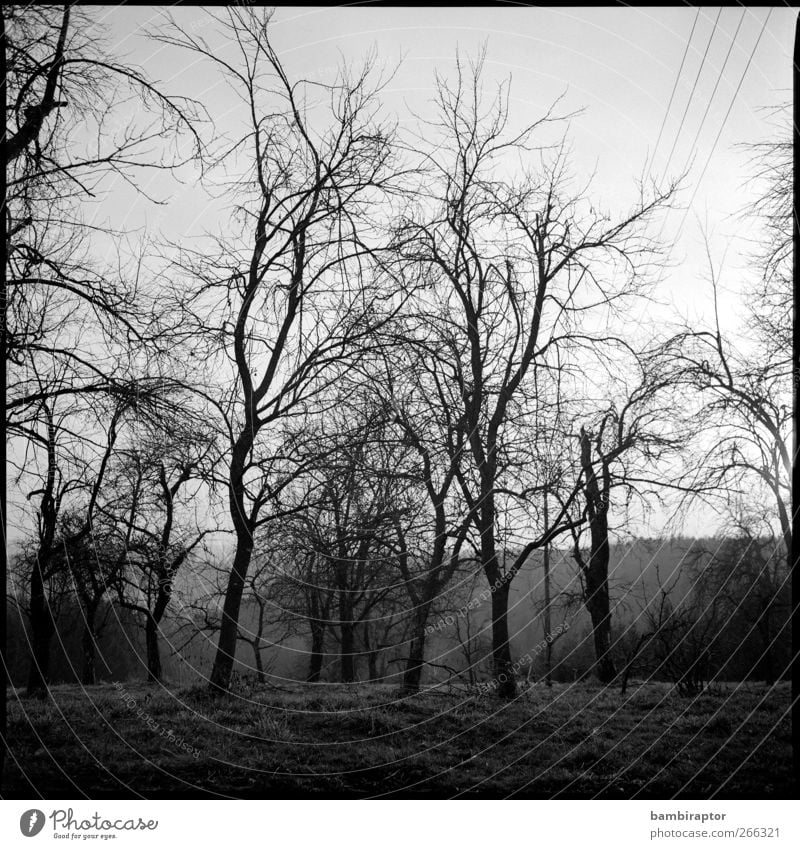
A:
672, 95
691, 95
716, 85
679, 231
724, 121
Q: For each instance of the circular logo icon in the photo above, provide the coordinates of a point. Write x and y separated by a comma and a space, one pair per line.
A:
31, 822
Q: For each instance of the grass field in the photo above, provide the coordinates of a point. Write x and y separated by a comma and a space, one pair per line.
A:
573, 741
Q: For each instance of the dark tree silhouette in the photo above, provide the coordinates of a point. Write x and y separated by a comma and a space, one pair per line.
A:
267, 305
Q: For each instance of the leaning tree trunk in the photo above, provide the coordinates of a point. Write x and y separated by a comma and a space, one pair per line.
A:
244, 526
229, 628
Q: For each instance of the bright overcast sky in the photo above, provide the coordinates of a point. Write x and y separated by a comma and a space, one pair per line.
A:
619, 64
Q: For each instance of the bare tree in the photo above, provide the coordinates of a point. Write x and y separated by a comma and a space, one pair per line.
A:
362, 503
92, 570
511, 267
303, 587
285, 306
681, 629
74, 470
267, 622
415, 385
745, 378
70, 127
472, 631
747, 418
623, 451
149, 506
57, 591
68, 318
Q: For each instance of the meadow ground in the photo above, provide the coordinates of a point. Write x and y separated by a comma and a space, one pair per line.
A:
573, 741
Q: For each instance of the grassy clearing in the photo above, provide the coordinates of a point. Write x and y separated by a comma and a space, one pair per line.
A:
574, 741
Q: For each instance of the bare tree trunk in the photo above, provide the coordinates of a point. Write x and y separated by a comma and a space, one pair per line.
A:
41, 616
315, 658
42, 629
502, 667
372, 654
626, 673
88, 675
767, 657
416, 653
346, 624
89, 646
596, 571
229, 627
506, 685
153, 655
416, 658
244, 526
259, 662
348, 653
152, 627
598, 605
548, 656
